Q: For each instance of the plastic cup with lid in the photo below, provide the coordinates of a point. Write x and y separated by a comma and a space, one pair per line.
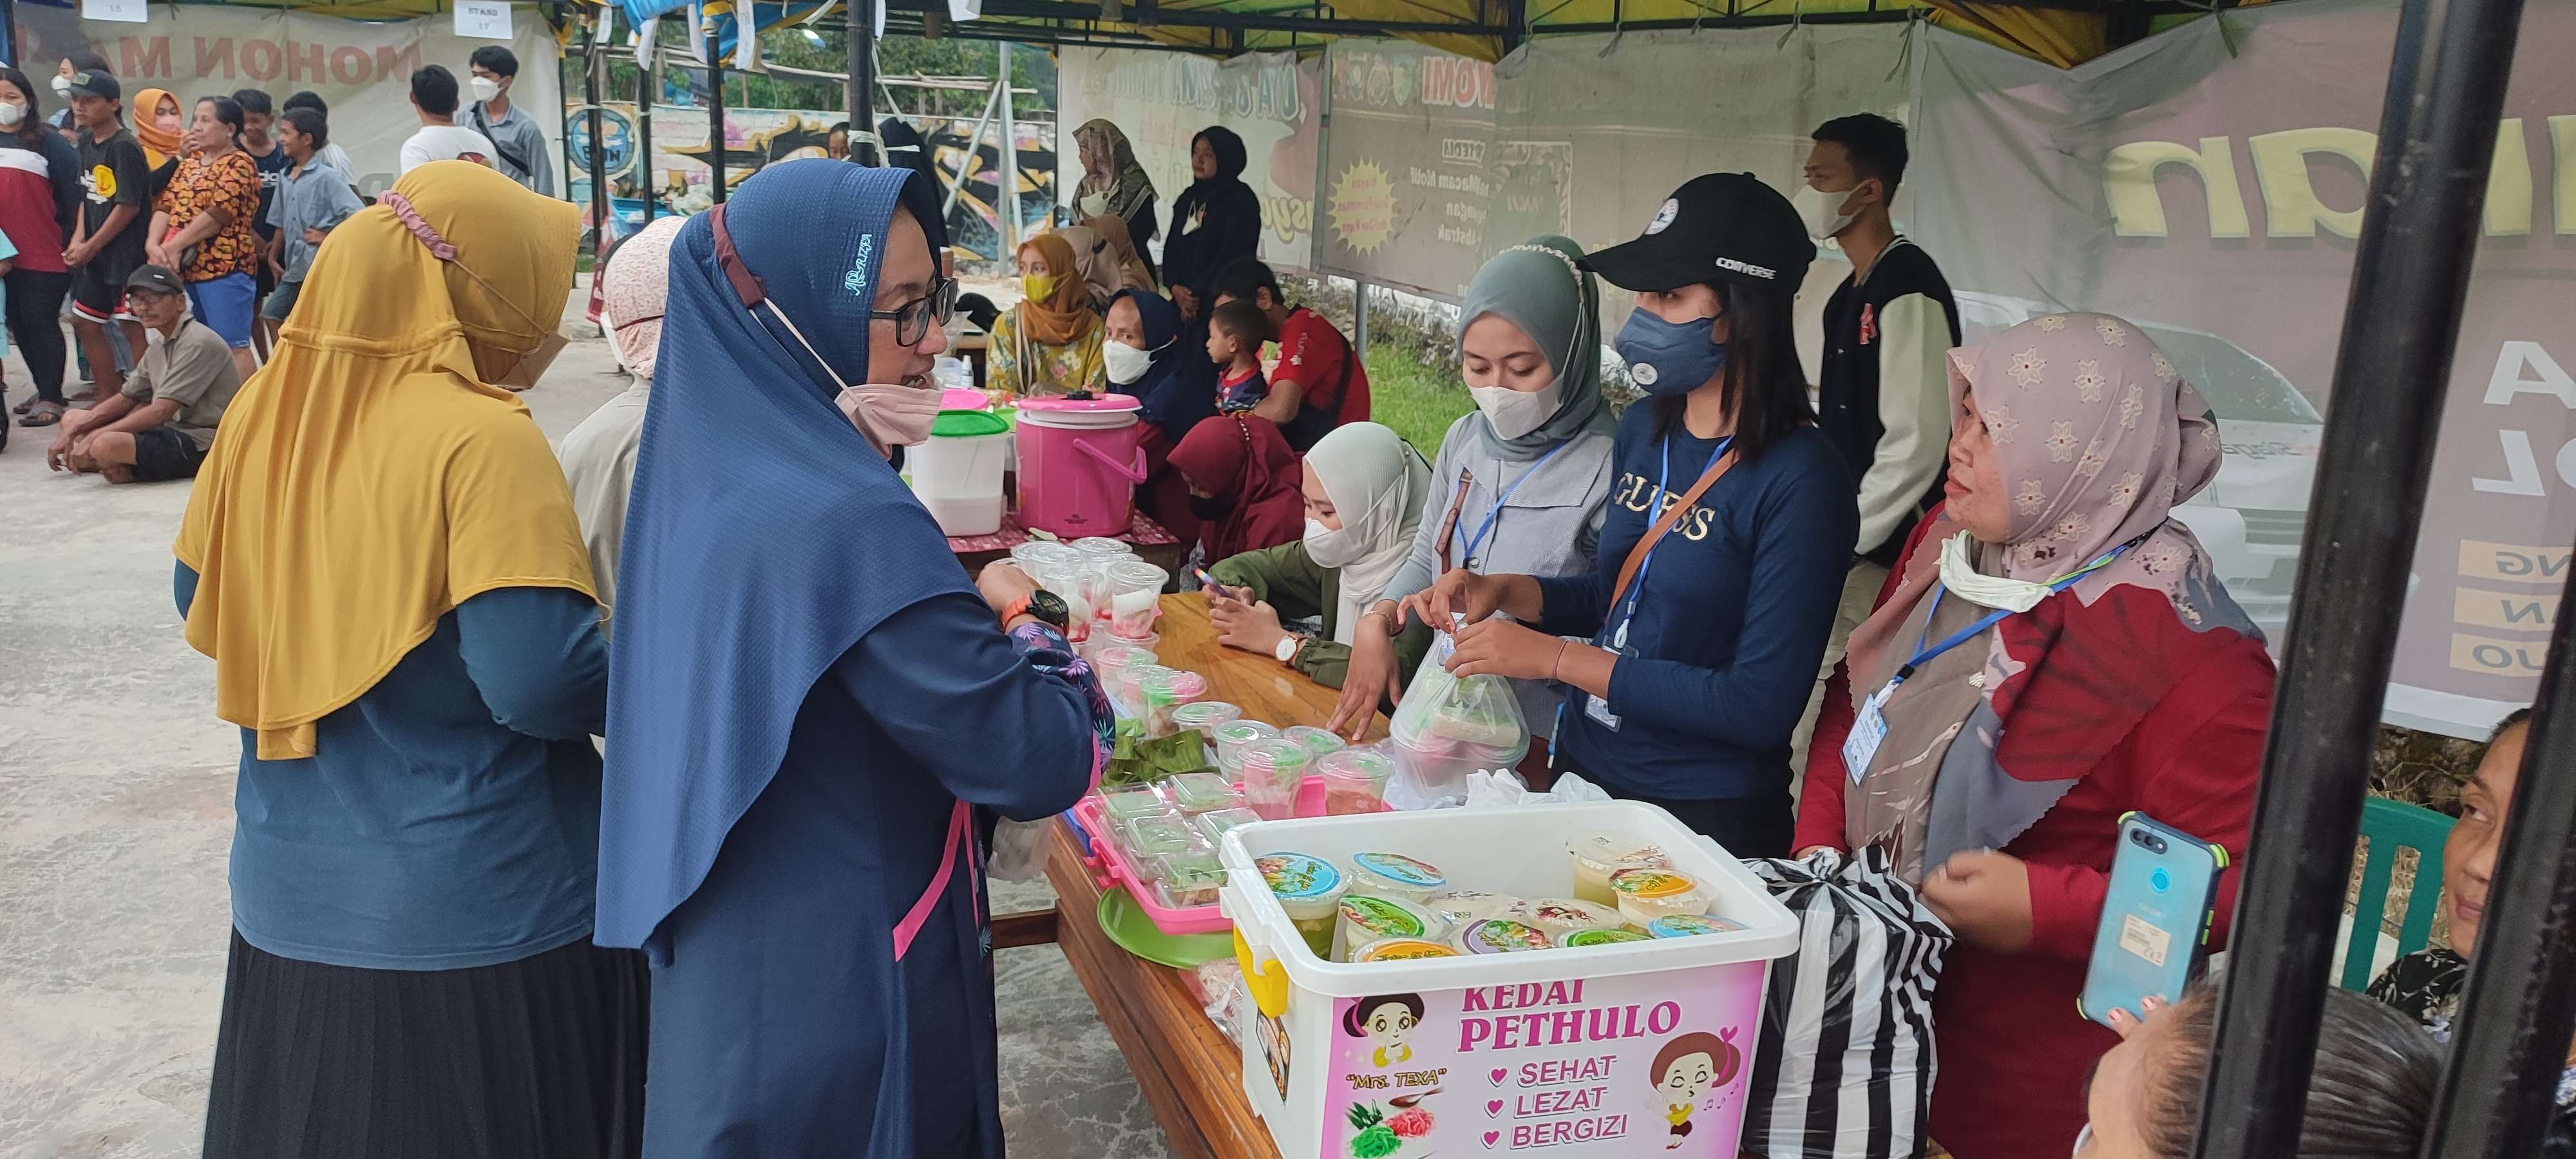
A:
1038, 553
1598, 855
1366, 918
1101, 547
1230, 738
1354, 781
1317, 741
1564, 915
1403, 950
1160, 692
1647, 894
1273, 770
1135, 587
1109, 661
1500, 936
1128, 689
1310, 890
1396, 875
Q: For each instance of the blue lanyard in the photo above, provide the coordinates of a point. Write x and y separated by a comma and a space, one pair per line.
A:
1663, 476
1924, 653
1467, 555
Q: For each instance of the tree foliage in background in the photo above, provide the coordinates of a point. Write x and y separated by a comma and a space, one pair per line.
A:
827, 51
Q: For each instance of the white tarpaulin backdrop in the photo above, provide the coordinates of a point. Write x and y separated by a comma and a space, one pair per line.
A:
362, 69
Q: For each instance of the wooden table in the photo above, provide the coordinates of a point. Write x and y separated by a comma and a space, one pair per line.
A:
1191, 1075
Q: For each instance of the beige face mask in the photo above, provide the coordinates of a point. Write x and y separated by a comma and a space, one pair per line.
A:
532, 365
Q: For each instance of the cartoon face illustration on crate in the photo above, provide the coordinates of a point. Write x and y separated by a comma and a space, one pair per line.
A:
1687, 1069
1386, 1021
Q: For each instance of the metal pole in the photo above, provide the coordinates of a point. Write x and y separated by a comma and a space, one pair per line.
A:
592, 79
647, 87
2410, 276
1359, 317
2509, 1043
1008, 203
715, 117
974, 142
862, 24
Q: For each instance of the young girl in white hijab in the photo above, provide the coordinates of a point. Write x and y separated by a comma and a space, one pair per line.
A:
1365, 495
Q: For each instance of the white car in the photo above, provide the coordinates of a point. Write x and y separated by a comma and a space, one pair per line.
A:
2252, 516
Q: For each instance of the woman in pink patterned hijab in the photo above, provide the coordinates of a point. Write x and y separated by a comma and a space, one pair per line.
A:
2008, 758
599, 455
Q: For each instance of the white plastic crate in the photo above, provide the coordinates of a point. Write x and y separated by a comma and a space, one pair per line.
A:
1633, 1049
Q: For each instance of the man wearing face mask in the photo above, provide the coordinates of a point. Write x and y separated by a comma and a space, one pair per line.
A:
1881, 392
161, 425
520, 149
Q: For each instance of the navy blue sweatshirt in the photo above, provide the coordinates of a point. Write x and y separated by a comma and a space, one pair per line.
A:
1731, 617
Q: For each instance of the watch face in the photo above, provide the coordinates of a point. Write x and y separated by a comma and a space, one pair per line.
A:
1048, 606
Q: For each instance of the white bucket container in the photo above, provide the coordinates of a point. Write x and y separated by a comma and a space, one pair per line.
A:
1638, 1048
957, 474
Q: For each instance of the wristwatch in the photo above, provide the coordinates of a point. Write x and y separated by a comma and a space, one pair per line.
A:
1042, 605
1286, 650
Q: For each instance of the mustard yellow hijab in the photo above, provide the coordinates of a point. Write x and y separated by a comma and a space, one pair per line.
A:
369, 479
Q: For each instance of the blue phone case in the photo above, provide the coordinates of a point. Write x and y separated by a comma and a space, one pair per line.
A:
2155, 919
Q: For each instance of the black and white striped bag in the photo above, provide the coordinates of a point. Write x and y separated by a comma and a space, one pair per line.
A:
1846, 1062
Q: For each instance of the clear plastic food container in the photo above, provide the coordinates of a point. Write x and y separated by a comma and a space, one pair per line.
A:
1273, 771
1560, 916
1126, 803
1577, 939
1189, 877
1501, 936
1202, 792
1403, 950
1103, 549
1460, 906
1150, 837
1129, 688
1316, 741
1213, 825
1691, 925
1109, 660
1038, 553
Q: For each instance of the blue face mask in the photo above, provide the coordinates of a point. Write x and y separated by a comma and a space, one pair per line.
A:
1668, 358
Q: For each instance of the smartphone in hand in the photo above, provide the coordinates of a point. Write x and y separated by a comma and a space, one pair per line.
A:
2155, 918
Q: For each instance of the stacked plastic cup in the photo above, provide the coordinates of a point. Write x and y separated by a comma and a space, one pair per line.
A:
1135, 588
1273, 771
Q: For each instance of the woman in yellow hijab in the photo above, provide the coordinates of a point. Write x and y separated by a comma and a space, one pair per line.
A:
382, 558
1050, 342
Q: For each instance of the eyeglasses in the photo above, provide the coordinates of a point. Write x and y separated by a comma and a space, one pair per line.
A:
913, 319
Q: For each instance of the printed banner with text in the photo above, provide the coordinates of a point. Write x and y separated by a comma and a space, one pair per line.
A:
2214, 198
362, 70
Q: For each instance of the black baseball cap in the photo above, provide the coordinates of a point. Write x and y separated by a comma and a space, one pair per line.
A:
1716, 227
92, 82
157, 279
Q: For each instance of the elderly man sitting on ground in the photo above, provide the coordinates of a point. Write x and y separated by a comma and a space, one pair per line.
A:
161, 425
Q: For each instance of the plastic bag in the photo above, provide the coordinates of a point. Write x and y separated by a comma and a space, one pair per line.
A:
1869, 959
1447, 727
1019, 850
1504, 788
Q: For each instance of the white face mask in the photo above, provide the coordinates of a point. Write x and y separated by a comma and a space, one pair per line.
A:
1093, 205
1331, 548
1124, 363
1823, 212
485, 88
608, 326
11, 113
1517, 412
62, 84
1959, 574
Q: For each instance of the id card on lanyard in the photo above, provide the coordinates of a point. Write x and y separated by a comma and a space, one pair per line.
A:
1468, 545
1596, 707
1869, 725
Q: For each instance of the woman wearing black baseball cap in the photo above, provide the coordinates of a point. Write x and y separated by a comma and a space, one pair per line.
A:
1688, 652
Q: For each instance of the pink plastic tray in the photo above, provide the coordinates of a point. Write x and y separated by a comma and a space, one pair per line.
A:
1109, 867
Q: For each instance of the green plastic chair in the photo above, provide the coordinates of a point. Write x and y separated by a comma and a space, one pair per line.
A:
2390, 826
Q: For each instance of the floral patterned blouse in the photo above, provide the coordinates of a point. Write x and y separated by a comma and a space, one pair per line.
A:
2426, 986
1026, 366
199, 184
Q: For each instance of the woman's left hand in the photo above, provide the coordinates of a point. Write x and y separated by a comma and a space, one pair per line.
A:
1247, 624
1004, 584
1499, 647
1985, 898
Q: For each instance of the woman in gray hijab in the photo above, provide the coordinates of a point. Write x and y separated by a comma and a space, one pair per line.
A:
1520, 481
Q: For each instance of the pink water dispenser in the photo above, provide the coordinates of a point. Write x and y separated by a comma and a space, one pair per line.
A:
1080, 464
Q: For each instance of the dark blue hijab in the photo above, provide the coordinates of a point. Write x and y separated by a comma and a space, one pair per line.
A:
1170, 395
764, 535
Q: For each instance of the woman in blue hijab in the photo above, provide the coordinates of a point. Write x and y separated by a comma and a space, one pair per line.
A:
790, 821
